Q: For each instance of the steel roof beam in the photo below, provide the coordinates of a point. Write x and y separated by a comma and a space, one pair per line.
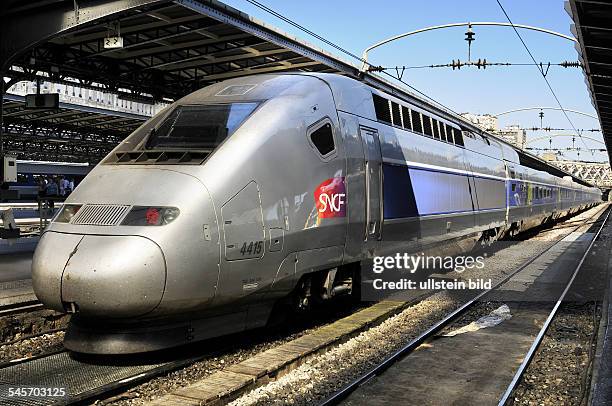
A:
188, 63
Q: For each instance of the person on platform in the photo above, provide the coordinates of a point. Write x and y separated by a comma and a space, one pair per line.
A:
62, 186
66, 186
52, 191
42, 187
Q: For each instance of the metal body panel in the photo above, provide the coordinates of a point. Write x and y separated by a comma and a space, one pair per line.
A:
52, 253
373, 183
242, 221
192, 259
355, 186
265, 149
126, 277
317, 259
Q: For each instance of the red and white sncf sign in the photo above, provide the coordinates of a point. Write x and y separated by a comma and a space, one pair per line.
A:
330, 198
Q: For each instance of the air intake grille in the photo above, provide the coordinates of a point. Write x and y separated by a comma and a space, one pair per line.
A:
100, 214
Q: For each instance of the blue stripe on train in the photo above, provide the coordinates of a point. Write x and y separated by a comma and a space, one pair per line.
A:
398, 195
413, 192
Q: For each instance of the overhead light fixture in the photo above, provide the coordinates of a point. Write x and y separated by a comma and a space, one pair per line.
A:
37, 101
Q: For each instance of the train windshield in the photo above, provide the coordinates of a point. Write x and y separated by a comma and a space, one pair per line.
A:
199, 127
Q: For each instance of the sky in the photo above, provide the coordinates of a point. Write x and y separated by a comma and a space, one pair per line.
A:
355, 25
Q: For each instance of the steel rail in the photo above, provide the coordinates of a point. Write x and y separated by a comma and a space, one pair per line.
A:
538, 340
345, 391
21, 307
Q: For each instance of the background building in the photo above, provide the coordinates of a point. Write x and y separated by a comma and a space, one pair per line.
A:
485, 121
512, 134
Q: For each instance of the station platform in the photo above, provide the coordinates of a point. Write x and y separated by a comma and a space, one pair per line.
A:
601, 381
16, 275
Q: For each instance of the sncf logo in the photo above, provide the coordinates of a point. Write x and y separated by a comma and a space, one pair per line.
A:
330, 198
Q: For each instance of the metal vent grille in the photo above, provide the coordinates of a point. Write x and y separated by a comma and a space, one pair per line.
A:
100, 214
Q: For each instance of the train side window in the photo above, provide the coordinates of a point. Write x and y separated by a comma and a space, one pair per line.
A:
458, 135
449, 133
416, 121
427, 130
322, 138
434, 128
407, 118
443, 134
381, 107
395, 114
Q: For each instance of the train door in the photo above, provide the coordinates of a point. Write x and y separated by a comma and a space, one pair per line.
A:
512, 192
373, 184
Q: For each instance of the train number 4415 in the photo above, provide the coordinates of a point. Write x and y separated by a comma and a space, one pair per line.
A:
251, 248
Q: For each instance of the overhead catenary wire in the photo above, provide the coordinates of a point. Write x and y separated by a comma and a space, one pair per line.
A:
302, 28
480, 63
541, 70
398, 78
339, 48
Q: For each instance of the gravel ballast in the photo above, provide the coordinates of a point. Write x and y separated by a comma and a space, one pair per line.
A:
558, 374
32, 333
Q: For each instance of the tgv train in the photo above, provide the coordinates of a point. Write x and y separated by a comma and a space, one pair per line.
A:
271, 189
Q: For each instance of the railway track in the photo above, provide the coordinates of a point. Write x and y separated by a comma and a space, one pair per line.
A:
378, 371
506, 398
84, 378
20, 307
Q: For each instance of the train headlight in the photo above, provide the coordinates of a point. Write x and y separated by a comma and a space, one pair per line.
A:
170, 214
67, 212
150, 216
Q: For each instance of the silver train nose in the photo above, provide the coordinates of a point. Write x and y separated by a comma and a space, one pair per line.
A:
126, 277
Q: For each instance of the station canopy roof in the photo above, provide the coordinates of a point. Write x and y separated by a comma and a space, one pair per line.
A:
170, 49
593, 29
70, 133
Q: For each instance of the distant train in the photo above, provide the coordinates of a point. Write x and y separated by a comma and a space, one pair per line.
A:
274, 188
29, 171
